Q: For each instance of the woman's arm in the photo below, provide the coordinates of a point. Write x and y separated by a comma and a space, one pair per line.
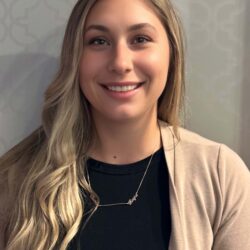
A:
234, 230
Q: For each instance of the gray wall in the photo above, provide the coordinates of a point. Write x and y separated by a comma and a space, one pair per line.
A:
218, 65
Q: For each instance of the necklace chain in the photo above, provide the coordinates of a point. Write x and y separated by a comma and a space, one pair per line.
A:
135, 196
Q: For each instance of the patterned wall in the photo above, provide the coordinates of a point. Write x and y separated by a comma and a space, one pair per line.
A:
218, 62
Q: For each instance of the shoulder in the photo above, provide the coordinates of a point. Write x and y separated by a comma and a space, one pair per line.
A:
208, 160
209, 149
196, 144
194, 149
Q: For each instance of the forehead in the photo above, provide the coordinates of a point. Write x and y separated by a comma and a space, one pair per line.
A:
120, 13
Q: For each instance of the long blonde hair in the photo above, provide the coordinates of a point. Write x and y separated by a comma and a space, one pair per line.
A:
46, 172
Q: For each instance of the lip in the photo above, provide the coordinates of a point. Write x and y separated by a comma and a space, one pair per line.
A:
120, 83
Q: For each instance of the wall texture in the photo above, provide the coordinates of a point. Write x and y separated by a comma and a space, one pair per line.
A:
218, 85
218, 65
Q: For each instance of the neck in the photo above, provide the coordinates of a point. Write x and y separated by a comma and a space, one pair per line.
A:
125, 142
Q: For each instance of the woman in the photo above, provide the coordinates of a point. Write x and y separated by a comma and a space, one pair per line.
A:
110, 167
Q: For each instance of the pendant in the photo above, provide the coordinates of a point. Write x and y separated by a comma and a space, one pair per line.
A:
132, 200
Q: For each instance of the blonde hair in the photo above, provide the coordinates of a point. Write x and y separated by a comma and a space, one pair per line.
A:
46, 171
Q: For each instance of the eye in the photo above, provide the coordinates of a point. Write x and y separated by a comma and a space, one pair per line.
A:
142, 39
97, 41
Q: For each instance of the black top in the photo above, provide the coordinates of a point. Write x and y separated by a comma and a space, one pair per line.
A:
146, 224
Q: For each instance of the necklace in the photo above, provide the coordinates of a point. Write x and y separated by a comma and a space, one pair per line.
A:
135, 196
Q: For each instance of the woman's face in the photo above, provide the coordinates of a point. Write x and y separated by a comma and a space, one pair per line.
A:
125, 60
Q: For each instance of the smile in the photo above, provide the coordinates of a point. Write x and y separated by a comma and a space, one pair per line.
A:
124, 88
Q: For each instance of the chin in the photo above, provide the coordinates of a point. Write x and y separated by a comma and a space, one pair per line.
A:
124, 114
125, 117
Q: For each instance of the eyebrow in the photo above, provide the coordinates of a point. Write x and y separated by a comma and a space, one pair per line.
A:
131, 28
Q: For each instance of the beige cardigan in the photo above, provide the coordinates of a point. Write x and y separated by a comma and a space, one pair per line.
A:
209, 194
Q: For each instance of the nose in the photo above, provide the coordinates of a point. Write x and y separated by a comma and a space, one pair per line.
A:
120, 59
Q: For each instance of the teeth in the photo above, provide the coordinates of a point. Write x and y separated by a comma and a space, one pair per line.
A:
122, 88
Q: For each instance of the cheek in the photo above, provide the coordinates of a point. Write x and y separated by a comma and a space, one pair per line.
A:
85, 72
89, 66
88, 73
157, 66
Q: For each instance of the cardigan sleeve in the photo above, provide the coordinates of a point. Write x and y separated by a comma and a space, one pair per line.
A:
234, 229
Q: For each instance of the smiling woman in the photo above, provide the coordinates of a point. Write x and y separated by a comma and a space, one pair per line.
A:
110, 167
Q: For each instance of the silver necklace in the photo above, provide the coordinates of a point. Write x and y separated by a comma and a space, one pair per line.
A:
135, 196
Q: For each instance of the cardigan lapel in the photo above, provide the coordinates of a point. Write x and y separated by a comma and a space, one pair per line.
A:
170, 146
